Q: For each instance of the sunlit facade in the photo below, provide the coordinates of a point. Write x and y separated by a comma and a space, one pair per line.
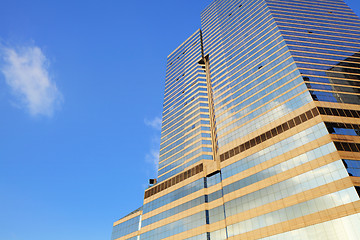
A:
261, 133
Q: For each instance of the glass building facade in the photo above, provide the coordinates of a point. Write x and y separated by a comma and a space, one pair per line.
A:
261, 127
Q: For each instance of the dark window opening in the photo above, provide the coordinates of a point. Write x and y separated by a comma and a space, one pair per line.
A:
314, 97
240, 5
306, 78
352, 167
343, 129
330, 12
230, 14
260, 67
170, 63
357, 190
310, 32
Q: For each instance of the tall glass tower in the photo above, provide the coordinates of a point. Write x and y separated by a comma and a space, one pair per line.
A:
261, 127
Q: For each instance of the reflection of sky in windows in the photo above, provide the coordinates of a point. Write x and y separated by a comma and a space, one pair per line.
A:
298, 210
353, 167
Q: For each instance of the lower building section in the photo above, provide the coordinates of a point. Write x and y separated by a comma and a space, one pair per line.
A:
299, 182
261, 127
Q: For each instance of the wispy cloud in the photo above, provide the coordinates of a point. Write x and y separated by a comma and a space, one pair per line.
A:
26, 72
152, 157
154, 123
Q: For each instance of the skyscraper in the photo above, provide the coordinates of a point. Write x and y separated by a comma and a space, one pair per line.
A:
261, 133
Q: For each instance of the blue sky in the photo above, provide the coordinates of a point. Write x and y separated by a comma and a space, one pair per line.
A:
81, 88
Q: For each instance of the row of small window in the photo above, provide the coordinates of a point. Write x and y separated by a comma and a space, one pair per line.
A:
314, 177
265, 115
329, 69
181, 126
333, 88
174, 195
275, 150
296, 17
188, 45
180, 166
219, 17
242, 32
302, 183
348, 147
208, 182
125, 228
182, 225
258, 99
174, 158
184, 114
184, 154
182, 133
183, 157
327, 74
320, 33
241, 84
322, 7
253, 111
319, 26
239, 32
256, 57
345, 228
240, 61
270, 134
177, 107
309, 180
281, 167
188, 133
353, 167
319, 204
326, 61
191, 42
343, 128
184, 122
296, 42
171, 91
295, 11
173, 181
348, 82
335, 97
172, 149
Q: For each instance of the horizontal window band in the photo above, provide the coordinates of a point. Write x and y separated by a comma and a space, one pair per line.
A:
290, 124
174, 180
270, 134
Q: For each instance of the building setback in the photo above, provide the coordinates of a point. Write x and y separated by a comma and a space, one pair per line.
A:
260, 133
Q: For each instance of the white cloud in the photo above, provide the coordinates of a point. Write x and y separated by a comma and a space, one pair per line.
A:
152, 157
154, 123
26, 73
